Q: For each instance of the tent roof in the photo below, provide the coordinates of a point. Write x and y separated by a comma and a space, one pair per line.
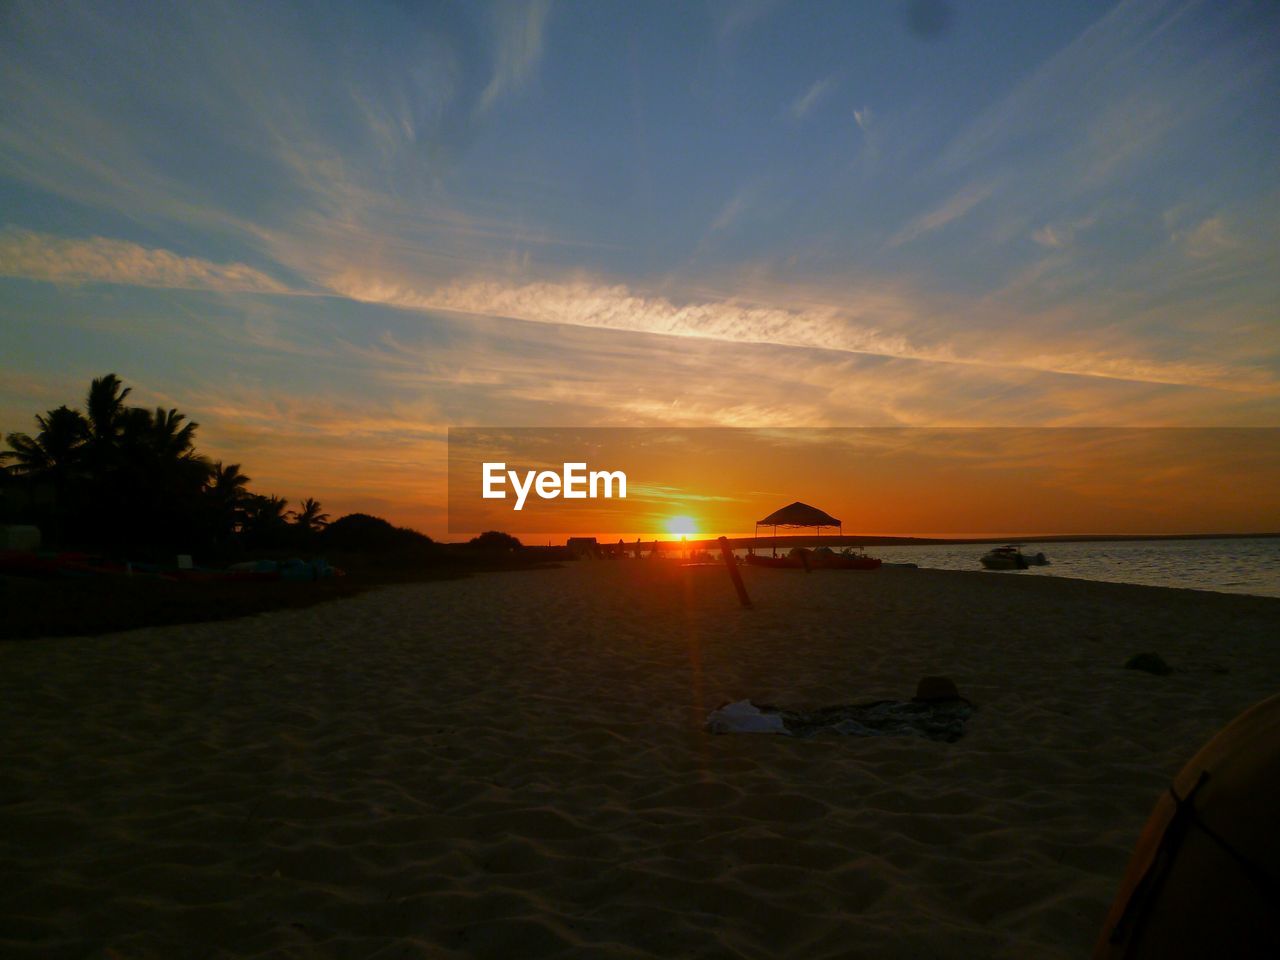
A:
799, 515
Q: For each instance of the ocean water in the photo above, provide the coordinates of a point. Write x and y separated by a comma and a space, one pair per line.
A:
1233, 565
1249, 565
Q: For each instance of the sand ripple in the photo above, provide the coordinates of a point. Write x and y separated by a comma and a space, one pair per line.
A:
515, 766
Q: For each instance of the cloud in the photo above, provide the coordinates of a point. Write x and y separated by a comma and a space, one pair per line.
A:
839, 329
728, 213
40, 256
1049, 236
611, 381
801, 106
520, 39
746, 203
616, 307
740, 16
952, 210
1059, 235
1116, 107
1209, 238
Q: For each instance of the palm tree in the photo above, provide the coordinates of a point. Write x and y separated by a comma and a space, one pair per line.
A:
54, 456
171, 448
226, 490
55, 451
106, 414
264, 519
226, 483
147, 476
309, 518
169, 437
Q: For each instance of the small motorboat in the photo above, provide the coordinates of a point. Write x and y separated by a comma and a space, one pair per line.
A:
1011, 557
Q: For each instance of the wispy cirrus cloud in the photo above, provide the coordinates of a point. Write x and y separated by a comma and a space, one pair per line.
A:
729, 213
1209, 238
520, 31
1061, 234
740, 16
936, 219
42, 256
847, 328
804, 103
1149, 81
616, 307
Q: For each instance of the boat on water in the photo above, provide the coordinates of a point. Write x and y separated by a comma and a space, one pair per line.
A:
1011, 557
824, 558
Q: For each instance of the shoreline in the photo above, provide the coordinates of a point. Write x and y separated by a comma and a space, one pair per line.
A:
856, 540
86, 608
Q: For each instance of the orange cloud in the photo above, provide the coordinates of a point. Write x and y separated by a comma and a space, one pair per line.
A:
40, 256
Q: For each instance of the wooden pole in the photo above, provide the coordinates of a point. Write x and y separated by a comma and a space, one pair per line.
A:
734, 573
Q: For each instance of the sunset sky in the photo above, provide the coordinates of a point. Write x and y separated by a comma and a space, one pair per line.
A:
1002, 482
331, 232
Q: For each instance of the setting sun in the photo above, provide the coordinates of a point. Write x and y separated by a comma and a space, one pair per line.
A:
682, 526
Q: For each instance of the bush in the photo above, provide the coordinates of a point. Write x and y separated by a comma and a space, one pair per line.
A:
497, 541
359, 532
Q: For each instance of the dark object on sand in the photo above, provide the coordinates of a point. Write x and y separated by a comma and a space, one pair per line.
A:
934, 720
1205, 875
1149, 663
936, 688
938, 712
800, 558
726, 554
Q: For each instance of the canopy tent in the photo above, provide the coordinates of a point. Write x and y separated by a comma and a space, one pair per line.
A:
797, 515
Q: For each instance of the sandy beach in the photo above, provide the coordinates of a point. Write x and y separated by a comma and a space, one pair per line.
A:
515, 765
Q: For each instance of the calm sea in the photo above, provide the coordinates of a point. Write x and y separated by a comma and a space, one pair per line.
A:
1227, 566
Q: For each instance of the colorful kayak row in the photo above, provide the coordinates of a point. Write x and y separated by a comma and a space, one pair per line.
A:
19, 563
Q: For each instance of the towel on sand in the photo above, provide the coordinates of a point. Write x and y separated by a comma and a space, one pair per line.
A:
933, 719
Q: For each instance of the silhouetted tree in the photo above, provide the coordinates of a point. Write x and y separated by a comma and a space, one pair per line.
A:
144, 474
362, 533
225, 493
55, 451
124, 477
53, 457
264, 520
105, 415
160, 465
497, 541
310, 518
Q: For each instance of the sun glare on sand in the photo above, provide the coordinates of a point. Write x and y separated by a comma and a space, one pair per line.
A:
681, 526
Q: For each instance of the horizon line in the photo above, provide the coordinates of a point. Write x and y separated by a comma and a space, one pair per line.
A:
742, 540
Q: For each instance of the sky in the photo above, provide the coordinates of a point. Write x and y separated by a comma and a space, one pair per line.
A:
331, 232
989, 482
